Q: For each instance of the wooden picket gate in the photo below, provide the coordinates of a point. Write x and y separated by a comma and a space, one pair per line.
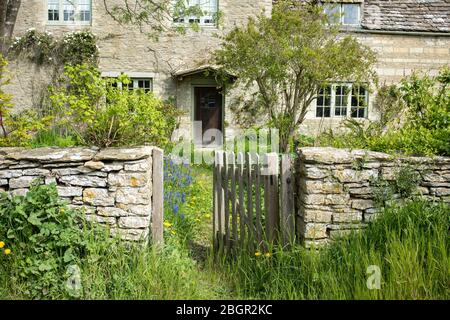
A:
253, 201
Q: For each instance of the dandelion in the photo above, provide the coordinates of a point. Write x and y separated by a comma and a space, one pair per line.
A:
2, 244
167, 224
258, 254
7, 251
173, 232
267, 255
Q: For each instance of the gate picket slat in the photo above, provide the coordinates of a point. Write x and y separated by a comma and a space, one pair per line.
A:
241, 160
215, 203
287, 200
258, 200
221, 204
226, 199
272, 217
250, 199
234, 226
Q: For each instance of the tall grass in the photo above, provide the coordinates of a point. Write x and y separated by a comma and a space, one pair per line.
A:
409, 244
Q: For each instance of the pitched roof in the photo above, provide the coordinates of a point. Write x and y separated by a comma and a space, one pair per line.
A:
407, 15
402, 15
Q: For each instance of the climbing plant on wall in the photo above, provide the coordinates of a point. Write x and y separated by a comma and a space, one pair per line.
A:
42, 48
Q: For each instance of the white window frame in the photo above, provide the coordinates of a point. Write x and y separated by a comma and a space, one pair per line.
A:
206, 20
61, 20
135, 82
348, 107
340, 5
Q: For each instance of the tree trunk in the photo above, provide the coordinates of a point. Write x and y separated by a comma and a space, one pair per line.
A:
9, 10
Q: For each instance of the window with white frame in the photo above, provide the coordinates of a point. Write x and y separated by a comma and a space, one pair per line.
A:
342, 100
145, 84
344, 13
359, 102
136, 83
209, 9
323, 109
69, 11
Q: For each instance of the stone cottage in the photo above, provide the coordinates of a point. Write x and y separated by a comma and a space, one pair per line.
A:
407, 35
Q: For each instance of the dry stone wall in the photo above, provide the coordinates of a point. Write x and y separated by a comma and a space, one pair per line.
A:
336, 188
113, 187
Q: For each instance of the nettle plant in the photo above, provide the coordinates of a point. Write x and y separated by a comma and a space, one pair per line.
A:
42, 48
45, 238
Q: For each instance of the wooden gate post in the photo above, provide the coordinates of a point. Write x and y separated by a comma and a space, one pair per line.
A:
272, 194
287, 200
158, 197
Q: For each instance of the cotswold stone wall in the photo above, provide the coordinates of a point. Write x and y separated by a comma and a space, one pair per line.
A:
336, 189
114, 187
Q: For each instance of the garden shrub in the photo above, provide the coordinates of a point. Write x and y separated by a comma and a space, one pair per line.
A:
100, 112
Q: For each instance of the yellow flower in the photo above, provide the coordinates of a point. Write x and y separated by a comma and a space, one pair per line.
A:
207, 216
173, 232
268, 255
7, 251
2, 244
167, 224
258, 254
62, 210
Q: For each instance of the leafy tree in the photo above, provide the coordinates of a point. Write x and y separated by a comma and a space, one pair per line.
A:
152, 16
283, 60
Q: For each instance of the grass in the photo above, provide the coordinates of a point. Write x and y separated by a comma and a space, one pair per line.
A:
409, 245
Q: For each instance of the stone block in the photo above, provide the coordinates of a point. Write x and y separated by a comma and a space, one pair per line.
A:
83, 181
124, 154
317, 216
362, 204
134, 222
111, 212
139, 166
133, 196
66, 192
98, 197
128, 179
21, 182
347, 216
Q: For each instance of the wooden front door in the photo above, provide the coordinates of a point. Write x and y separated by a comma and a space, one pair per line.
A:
208, 110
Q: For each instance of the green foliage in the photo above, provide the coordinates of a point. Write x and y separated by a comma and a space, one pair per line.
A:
16, 129
152, 16
288, 57
45, 239
404, 186
43, 48
409, 244
108, 268
53, 137
99, 112
415, 118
